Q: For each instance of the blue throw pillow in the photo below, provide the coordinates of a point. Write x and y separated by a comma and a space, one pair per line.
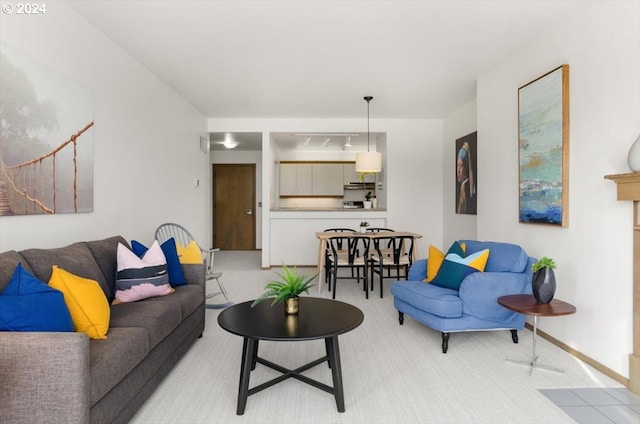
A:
174, 268
28, 304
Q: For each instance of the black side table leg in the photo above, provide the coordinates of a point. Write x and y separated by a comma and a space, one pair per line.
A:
336, 370
249, 348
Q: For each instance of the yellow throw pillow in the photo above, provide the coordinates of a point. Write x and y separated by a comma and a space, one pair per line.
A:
436, 257
190, 254
86, 302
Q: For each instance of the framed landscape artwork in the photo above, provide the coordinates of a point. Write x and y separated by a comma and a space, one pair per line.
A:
46, 139
543, 136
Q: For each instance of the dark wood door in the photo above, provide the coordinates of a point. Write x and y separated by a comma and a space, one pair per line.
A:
234, 194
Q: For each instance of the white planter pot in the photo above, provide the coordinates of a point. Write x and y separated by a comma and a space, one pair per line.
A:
367, 204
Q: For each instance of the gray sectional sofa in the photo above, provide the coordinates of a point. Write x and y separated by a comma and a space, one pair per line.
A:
69, 378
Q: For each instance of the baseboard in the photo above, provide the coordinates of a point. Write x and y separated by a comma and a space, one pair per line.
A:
592, 362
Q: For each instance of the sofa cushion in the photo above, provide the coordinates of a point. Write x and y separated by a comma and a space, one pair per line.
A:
440, 301
189, 297
505, 257
75, 258
112, 359
8, 262
158, 318
86, 301
28, 304
104, 253
455, 268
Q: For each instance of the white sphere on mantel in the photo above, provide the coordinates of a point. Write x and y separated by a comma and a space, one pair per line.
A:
634, 156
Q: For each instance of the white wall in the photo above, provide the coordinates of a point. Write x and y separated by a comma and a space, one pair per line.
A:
146, 137
457, 124
414, 168
594, 254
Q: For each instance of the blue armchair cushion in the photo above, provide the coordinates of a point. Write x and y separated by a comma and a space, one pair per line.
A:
439, 301
505, 257
479, 293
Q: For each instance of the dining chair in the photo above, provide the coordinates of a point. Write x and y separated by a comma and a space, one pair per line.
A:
327, 252
182, 236
349, 258
385, 251
397, 262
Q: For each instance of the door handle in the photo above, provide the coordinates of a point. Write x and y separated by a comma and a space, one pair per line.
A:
249, 212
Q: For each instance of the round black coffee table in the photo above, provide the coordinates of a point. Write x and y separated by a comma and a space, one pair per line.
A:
318, 318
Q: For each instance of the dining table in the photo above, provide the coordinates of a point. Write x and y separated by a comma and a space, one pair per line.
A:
324, 236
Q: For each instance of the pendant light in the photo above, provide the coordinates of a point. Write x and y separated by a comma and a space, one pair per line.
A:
368, 161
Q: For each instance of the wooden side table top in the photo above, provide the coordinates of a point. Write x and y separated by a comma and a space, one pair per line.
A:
527, 304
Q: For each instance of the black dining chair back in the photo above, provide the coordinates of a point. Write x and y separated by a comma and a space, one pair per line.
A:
353, 255
393, 253
379, 230
327, 270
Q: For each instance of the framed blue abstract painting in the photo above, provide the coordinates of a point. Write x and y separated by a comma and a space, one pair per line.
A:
543, 136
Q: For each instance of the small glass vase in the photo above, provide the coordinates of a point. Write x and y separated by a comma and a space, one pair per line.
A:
291, 305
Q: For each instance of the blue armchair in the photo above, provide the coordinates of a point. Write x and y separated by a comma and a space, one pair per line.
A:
474, 307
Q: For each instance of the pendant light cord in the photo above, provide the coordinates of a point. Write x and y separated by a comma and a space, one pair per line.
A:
368, 99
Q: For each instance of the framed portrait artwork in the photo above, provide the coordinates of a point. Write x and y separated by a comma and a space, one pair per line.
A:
466, 174
543, 137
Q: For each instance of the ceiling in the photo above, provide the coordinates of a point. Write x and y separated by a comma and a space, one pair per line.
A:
317, 59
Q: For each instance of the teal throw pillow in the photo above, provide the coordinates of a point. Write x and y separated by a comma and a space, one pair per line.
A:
456, 267
28, 304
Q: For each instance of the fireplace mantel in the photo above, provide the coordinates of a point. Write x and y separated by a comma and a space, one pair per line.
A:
629, 189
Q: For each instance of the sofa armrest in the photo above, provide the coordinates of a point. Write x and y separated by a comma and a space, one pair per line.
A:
44, 377
480, 291
418, 271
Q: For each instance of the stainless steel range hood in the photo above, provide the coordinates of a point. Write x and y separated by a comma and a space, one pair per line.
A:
359, 186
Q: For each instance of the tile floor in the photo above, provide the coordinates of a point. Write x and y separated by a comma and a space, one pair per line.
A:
597, 405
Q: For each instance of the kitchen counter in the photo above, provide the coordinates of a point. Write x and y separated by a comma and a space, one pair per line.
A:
293, 230
316, 209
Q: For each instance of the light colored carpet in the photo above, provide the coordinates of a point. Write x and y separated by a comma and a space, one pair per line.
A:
391, 373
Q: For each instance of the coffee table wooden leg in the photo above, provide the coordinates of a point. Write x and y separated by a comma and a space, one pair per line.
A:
249, 350
333, 351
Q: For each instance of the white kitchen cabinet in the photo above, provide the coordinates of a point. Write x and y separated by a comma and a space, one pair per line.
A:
311, 179
349, 173
327, 179
296, 179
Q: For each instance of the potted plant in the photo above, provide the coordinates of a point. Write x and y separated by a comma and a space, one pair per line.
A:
544, 280
363, 226
288, 289
367, 200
